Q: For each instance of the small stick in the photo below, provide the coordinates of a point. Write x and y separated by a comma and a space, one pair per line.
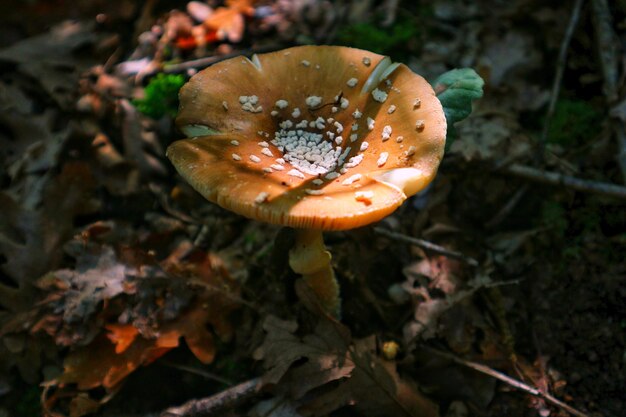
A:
390, 10
202, 63
558, 77
506, 379
607, 47
424, 244
507, 208
217, 403
553, 178
610, 56
205, 374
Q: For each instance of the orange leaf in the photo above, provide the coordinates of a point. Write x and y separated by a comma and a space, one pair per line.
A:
242, 6
189, 42
121, 349
122, 335
228, 21
198, 337
98, 365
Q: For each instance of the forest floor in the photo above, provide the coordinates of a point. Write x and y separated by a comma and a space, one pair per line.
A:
124, 293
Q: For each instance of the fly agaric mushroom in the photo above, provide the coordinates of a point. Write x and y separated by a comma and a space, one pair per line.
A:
312, 137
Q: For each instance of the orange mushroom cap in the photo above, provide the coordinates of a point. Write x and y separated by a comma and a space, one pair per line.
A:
320, 137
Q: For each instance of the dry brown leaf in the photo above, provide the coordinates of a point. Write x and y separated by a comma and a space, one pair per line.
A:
31, 239
480, 138
440, 272
82, 405
374, 388
323, 349
49, 59
114, 356
360, 378
505, 56
118, 311
431, 308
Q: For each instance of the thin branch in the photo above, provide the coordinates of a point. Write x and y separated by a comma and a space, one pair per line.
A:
607, 47
553, 178
202, 63
217, 403
424, 244
609, 54
507, 208
560, 69
200, 372
508, 380
390, 10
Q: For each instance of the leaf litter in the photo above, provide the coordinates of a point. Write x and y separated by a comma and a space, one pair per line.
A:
365, 381
108, 261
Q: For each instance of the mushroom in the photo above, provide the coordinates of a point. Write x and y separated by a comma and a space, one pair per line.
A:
313, 137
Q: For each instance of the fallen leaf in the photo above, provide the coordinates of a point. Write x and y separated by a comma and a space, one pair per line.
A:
98, 277
441, 272
228, 22
479, 138
49, 59
374, 388
323, 349
508, 55
136, 320
121, 335
99, 365
82, 405
26, 231
300, 365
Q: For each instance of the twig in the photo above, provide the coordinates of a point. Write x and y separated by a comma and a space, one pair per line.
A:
205, 374
202, 63
620, 134
609, 54
607, 47
508, 380
558, 77
217, 403
390, 10
145, 19
507, 208
424, 244
227, 294
553, 178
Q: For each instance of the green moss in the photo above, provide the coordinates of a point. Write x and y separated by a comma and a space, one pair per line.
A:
383, 41
161, 96
574, 122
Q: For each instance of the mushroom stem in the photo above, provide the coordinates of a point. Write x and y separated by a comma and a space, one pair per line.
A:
310, 259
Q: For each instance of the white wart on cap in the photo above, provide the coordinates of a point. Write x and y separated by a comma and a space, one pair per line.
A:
308, 146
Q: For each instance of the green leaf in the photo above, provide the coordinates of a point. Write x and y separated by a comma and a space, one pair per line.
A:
456, 89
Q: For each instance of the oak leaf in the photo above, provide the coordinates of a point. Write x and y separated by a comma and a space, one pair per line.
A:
343, 372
